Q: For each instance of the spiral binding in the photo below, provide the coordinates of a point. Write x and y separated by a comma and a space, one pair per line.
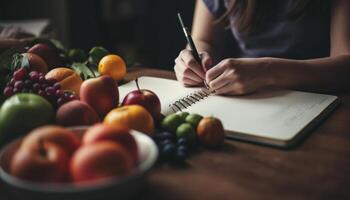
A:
189, 100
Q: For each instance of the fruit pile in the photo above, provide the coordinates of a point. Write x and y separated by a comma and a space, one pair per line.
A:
57, 155
35, 82
182, 132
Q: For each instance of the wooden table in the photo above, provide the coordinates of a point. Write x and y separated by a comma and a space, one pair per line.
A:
319, 168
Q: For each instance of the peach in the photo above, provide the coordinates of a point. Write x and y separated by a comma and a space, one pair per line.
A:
76, 113
115, 133
98, 161
69, 79
60, 136
100, 93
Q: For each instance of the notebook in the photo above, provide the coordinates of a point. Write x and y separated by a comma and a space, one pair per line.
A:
276, 117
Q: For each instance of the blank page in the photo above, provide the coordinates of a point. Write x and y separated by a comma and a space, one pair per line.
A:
277, 114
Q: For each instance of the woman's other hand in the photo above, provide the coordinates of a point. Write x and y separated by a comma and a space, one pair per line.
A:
239, 76
188, 71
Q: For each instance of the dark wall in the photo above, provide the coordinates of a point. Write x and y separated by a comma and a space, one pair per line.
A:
148, 34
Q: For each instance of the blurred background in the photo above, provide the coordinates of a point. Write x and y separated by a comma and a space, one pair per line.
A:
145, 32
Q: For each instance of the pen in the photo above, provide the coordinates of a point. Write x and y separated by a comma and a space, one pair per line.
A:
192, 47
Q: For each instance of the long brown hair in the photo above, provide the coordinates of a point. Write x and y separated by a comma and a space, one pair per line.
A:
248, 13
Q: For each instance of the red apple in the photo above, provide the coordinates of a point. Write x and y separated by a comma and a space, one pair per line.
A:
145, 98
57, 135
44, 162
47, 53
98, 161
115, 133
100, 93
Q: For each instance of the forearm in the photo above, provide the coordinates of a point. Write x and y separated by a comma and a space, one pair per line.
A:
323, 74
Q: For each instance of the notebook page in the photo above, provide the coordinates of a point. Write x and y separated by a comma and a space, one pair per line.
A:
278, 114
272, 114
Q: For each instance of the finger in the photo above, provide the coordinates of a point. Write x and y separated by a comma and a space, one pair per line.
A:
226, 77
181, 73
186, 81
206, 61
191, 63
216, 70
234, 88
181, 68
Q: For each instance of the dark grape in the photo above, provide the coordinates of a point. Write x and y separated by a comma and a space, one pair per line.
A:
15, 91
8, 91
12, 82
41, 93
34, 76
59, 93
57, 86
25, 90
165, 142
28, 84
181, 155
182, 141
36, 87
42, 80
168, 150
60, 101
72, 97
19, 85
51, 81
44, 86
50, 90
182, 148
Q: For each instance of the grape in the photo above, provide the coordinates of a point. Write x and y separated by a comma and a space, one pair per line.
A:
15, 90
12, 82
57, 86
44, 86
168, 151
50, 91
60, 101
19, 85
182, 141
8, 91
28, 84
34, 76
51, 81
25, 90
19, 74
42, 80
72, 97
59, 93
165, 142
36, 87
41, 93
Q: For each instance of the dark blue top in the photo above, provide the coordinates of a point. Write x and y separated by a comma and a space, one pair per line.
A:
277, 36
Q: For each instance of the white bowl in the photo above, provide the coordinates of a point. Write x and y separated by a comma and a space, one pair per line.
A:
120, 188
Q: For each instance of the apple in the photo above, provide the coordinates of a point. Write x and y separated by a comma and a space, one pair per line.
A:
100, 93
116, 133
43, 162
76, 113
36, 63
57, 135
99, 161
145, 98
47, 53
23, 112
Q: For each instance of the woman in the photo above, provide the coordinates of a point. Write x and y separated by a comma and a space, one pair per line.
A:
299, 44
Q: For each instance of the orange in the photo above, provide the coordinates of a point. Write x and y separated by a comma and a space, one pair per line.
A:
112, 65
69, 79
133, 116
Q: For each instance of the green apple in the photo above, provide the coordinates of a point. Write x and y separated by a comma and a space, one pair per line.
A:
187, 131
21, 113
171, 122
193, 119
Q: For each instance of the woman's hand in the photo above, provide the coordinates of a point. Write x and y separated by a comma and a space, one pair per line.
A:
239, 76
188, 71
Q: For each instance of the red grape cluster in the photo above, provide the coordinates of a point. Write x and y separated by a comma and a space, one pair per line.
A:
35, 82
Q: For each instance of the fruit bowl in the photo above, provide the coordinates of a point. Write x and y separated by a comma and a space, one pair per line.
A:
121, 188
